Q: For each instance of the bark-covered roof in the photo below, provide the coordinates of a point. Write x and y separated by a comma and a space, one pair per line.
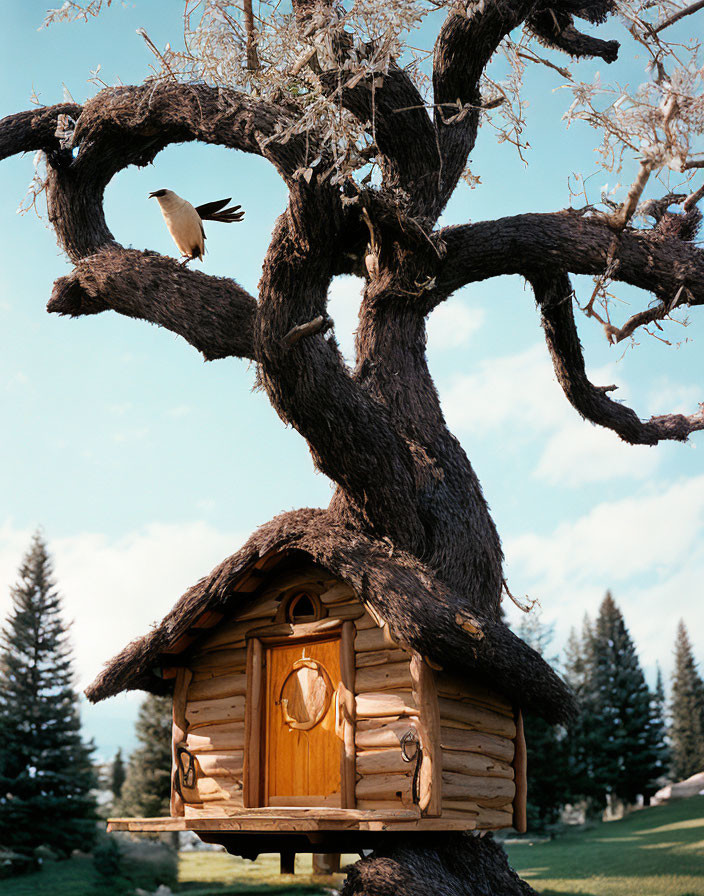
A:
421, 612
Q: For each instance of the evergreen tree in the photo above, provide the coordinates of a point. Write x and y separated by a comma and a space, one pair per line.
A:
659, 723
147, 788
117, 775
548, 777
625, 741
579, 674
45, 767
687, 711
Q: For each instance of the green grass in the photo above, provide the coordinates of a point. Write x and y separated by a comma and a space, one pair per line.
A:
654, 852
227, 874
200, 874
74, 877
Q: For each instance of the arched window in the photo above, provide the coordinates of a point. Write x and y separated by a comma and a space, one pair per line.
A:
302, 606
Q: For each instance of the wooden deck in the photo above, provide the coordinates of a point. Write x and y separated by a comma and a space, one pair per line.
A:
282, 820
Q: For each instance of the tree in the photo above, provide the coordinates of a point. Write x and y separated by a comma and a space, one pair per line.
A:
117, 776
686, 710
659, 723
625, 741
547, 745
371, 147
45, 769
147, 788
579, 673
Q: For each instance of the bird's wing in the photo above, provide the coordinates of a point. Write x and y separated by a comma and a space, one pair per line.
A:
216, 211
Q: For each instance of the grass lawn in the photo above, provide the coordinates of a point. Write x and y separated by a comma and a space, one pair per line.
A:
200, 874
654, 852
223, 874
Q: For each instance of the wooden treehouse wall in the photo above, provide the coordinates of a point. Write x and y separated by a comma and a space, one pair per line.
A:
467, 732
477, 734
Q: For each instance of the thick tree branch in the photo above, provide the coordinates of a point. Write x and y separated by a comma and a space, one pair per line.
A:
571, 242
351, 434
463, 48
129, 126
554, 296
213, 314
402, 130
465, 45
555, 28
34, 129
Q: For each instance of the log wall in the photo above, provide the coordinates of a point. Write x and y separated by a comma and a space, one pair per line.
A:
477, 736
386, 709
211, 724
468, 765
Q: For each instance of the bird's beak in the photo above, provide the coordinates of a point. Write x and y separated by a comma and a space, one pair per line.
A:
152, 195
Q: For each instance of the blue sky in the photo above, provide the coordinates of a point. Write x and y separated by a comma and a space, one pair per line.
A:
145, 466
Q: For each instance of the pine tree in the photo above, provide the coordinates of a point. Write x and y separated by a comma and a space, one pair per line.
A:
45, 767
548, 785
117, 774
625, 744
147, 788
687, 710
659, 723
579, 673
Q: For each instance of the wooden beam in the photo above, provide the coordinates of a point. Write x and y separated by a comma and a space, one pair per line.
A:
477, 717
426, 697
253, 725
520, 767
477, 742
179, 730
287, 864
348, 772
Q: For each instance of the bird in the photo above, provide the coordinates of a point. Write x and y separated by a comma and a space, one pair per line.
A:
185, 221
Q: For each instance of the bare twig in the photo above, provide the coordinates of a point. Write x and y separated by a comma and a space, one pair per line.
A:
252, 56
687, 11
620, 218
693, 199
523, 607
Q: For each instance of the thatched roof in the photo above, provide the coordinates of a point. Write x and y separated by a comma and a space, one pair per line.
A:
421, 613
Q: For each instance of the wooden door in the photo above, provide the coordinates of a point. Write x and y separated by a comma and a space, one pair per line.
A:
302, 748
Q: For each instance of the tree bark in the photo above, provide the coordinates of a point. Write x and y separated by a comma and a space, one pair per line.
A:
449, 865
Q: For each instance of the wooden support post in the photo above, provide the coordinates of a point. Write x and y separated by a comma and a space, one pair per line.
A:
326, 863
178, 734
520, 766
287, 862
347, 685
253, 717
426, 697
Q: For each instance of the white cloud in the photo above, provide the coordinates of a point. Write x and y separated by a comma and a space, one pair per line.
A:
115, 588
648, 548
579, 453
517, 391
452, 324
668, 397
519, 394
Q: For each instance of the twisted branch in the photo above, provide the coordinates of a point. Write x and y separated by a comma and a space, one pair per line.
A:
554, 296
567, 241
213, 314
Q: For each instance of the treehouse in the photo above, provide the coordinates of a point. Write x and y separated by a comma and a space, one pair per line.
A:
328, 694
